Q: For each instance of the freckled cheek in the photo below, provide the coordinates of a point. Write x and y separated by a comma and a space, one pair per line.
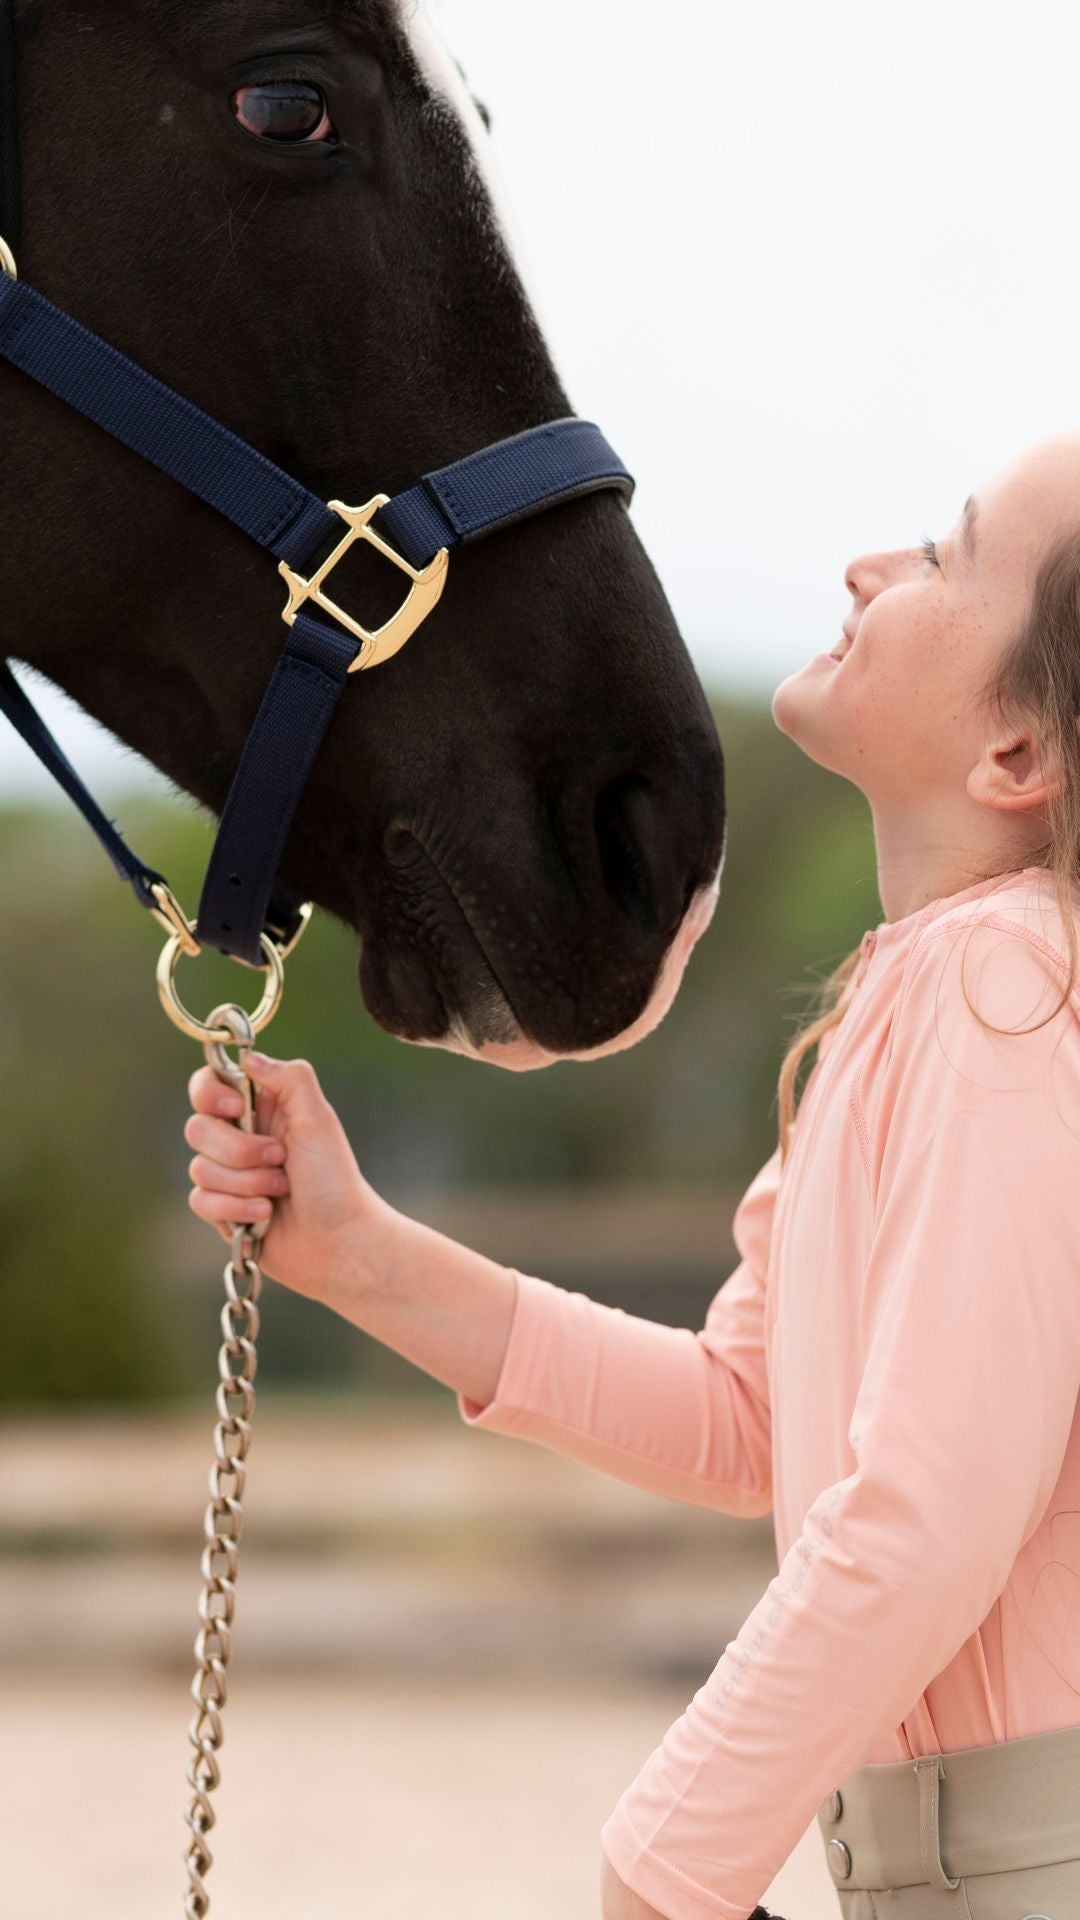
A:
919, 662
885, 661
954, 663
979, 648
888, 708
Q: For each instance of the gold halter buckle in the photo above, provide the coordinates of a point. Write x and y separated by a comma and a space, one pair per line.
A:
424, 594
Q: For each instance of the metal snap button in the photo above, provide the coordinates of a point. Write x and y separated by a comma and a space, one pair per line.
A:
833, 1807
839, 1859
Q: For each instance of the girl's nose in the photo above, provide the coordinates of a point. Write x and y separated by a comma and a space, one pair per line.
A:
870, 572
864, 574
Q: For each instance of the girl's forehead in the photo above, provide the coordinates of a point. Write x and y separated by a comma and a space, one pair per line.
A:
1036, 492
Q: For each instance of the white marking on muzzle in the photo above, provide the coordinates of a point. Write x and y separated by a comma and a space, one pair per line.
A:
521, 1055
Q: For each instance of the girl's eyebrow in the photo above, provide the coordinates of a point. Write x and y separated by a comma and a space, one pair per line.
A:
967, 526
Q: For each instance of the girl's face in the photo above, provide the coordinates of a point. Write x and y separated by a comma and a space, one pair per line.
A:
899, 715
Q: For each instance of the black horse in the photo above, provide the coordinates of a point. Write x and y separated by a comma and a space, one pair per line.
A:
280, 208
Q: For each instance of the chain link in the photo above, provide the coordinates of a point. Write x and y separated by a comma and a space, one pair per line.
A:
223, 1520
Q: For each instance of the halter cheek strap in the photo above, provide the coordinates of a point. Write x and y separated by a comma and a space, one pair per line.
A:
510, 481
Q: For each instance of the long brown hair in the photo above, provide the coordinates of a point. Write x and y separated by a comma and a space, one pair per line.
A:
1035, 683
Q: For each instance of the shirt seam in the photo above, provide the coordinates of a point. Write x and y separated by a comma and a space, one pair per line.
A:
861, 1129
1000, 923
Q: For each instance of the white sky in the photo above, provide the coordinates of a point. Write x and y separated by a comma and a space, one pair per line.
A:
813, 270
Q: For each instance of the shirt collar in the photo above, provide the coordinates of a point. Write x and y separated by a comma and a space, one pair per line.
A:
897, 933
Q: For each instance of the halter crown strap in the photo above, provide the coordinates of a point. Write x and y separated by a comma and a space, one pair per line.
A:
494, 488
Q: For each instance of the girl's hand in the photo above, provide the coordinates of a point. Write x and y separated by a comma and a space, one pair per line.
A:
297, 1166
618, 1902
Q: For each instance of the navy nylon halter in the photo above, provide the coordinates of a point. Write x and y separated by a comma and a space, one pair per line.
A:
509, 481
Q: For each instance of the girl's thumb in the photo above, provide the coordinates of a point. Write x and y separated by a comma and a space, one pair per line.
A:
292, 1082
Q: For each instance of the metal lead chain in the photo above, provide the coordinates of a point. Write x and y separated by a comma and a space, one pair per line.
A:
224, 1517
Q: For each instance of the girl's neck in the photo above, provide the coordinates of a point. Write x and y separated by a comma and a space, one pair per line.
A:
917, 867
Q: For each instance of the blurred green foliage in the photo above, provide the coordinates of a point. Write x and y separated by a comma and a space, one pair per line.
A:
96, 1243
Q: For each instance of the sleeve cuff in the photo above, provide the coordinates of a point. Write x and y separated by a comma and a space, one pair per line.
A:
517, 1388
656, 1881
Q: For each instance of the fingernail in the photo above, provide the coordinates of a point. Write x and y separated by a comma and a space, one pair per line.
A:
273, 1156
258, 1060
260, 1206
232, 1103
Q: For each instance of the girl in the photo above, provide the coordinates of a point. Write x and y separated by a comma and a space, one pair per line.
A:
893, 1367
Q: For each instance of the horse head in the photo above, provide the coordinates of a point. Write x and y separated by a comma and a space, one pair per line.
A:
283, 208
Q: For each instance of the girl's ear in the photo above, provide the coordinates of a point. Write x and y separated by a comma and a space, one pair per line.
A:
1011, 774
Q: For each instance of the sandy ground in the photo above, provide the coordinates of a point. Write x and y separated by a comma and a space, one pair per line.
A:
336, 1801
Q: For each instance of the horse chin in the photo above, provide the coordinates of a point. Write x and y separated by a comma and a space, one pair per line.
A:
509, 1047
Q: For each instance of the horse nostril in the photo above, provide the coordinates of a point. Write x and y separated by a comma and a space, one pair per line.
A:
398, 841
622, 817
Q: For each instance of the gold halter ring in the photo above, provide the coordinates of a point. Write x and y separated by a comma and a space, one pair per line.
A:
198, 1029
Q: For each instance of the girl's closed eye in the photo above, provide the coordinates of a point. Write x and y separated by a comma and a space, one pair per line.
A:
930, 550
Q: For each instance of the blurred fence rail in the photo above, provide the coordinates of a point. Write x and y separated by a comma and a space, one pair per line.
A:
390, 1538
641, 1231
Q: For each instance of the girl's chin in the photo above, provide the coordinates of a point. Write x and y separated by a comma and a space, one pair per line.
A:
800, 710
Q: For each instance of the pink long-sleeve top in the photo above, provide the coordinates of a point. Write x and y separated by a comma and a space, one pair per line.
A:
892, 1370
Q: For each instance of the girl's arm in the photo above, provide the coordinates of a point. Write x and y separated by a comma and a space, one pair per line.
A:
680, 1413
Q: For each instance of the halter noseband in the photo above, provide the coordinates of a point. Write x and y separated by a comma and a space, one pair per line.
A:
242, 911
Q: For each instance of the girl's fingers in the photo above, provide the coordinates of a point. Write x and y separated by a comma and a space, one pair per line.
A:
209, 1094
220, 1140
249, 1181
218, 1209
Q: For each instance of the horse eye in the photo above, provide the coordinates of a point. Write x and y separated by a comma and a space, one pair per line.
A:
283, 110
